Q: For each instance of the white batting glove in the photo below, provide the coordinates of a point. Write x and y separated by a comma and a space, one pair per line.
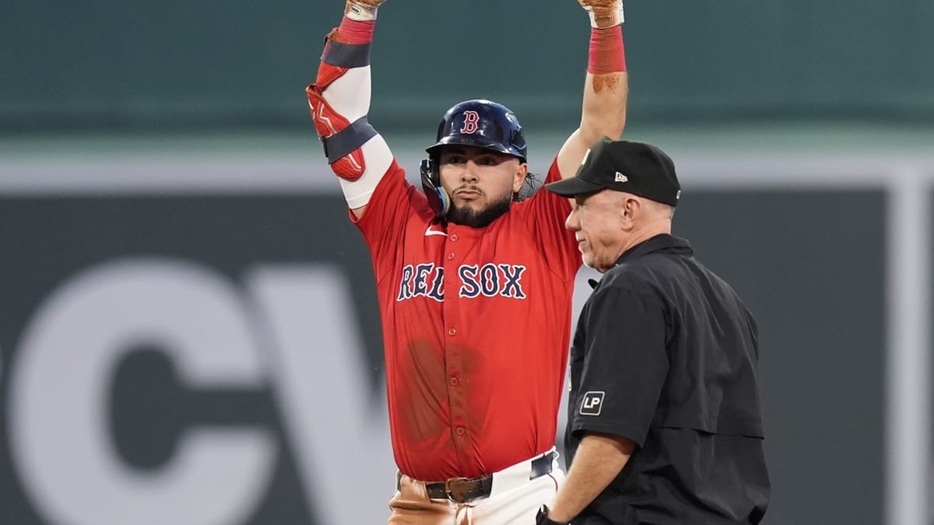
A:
362, 10
603, 13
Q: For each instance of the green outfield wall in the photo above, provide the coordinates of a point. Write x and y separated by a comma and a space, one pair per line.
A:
245, 63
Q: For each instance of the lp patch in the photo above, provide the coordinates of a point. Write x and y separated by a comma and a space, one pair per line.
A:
592, 404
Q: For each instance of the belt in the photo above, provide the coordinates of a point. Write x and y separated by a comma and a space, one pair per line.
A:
462, 490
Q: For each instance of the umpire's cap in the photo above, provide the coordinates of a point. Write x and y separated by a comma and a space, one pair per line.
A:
632, 167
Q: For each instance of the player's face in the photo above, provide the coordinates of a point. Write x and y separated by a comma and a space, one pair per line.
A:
481, 183
597, 222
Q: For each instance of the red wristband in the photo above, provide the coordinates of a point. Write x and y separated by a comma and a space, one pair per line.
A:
354, 32
606, 51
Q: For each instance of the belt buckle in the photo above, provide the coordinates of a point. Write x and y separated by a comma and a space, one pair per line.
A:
457, 489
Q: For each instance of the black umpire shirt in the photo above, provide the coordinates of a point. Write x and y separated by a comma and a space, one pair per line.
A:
665, 354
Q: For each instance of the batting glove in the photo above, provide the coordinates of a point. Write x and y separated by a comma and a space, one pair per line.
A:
362, 10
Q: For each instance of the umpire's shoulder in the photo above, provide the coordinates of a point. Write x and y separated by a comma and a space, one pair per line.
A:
650, 272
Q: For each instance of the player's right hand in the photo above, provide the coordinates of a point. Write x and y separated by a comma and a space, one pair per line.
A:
603, 13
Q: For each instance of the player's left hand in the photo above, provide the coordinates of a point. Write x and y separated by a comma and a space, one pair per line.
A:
362, 10
368, 3
603, 13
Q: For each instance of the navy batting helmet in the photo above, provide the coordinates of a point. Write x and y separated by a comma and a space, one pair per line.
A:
479, 123
483, 124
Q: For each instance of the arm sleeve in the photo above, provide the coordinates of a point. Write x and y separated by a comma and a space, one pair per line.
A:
340, 101
625, 364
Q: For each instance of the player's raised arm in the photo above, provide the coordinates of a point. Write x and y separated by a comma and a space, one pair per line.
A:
340, 101
606, 87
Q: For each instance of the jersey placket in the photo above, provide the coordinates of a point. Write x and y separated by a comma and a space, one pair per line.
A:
455, 349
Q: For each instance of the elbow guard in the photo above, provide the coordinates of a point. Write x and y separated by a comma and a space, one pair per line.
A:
339, 101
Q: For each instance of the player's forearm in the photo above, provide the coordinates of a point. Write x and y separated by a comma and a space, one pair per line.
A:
606, 89
598, 460
340, 101
606, 86
604, 108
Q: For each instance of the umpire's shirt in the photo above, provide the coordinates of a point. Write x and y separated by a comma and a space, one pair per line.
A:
665, 355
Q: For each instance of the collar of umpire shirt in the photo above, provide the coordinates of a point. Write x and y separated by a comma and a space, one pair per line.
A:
661, 242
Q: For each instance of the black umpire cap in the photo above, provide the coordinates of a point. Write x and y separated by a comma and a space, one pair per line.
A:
621, 165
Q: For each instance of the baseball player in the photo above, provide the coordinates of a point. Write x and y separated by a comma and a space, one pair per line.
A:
474, 282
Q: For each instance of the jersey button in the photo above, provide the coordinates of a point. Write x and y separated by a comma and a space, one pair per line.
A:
454, 237
460, 431
452, 332
453, 381
451, 256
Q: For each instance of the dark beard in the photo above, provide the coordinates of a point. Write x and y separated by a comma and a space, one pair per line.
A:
479, 219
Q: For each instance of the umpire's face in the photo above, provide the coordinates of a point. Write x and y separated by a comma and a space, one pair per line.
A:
606, 223
480, 182
599, 223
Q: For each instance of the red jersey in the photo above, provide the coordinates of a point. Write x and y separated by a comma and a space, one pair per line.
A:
476, 326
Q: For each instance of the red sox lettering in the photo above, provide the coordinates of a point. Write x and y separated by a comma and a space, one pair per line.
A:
488, 280
422, 280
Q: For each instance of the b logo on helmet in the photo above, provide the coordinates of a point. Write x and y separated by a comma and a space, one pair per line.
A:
471, 121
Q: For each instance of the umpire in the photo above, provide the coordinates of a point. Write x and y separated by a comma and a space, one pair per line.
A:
664, 423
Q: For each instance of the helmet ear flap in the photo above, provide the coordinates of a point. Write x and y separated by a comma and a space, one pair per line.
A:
438, 199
